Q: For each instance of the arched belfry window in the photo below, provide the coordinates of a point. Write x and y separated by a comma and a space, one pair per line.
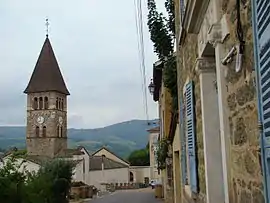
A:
40, 103
46, 103
62, 104
57, 103
37, 131
35, 103
44, 131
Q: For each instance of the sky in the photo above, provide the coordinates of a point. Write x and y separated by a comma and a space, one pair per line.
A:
95, 44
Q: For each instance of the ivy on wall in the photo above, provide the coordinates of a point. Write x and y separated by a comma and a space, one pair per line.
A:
162, 153
162, 34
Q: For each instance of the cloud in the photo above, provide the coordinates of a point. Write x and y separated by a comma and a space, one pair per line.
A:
95, 44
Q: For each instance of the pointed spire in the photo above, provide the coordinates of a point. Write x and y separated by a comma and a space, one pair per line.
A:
46, 75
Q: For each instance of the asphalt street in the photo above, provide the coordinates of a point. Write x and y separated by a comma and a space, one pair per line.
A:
129, 196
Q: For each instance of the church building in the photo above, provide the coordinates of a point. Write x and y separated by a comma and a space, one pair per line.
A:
47, 93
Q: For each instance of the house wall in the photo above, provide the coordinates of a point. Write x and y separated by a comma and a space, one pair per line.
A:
246, 177
26, 166
120, 175
110, 156
153, 139
186, 72
140, 172
176, 166
165, 116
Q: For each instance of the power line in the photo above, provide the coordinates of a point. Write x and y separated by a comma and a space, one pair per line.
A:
140, 41
139, 53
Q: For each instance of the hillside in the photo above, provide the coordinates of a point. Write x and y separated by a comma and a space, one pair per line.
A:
121, 138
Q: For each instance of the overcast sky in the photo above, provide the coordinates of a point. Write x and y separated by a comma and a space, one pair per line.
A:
96, 48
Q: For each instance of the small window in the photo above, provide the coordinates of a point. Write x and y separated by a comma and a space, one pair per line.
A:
44, 131
61, 132
57, 103
46, 103
37, 131
62, 104
58, 131
35, 103
40, 103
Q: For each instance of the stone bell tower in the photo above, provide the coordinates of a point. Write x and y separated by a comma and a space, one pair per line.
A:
46, 132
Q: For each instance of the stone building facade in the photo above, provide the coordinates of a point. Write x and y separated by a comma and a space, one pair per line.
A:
46, 133
225, 107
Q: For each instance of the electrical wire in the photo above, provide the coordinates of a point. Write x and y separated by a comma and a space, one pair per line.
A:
239, 28
140, 43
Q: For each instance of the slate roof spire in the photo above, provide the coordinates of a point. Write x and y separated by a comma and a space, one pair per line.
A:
46, 75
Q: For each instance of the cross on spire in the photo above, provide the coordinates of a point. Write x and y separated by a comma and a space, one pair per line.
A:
47, 27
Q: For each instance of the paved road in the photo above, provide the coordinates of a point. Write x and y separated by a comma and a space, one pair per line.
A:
129, 196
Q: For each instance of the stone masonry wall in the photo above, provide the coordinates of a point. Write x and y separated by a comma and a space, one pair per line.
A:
186, 71
245, 162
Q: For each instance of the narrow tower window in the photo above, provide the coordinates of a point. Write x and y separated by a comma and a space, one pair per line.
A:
44, 131
61, 130
40, 103
46, 103
37, 131
35, 103
57, 103
62, 104
58, 131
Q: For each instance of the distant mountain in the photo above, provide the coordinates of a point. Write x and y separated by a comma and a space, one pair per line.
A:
121, 138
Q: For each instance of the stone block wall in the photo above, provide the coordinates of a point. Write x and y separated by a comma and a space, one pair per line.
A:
246, 177
186, 71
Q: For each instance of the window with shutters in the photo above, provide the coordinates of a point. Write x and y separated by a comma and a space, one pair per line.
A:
261, 30
183, 141
188, 139
182, 9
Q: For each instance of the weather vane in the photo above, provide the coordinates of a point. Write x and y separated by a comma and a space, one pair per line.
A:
47, 27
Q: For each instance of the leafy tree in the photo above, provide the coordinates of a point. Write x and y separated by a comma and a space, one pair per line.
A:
50, 184
162, 34
140, 157
159, 34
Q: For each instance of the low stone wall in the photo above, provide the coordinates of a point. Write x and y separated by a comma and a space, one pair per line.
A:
82, 192
126, 186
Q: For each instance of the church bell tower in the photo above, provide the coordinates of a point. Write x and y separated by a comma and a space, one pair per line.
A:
46, 131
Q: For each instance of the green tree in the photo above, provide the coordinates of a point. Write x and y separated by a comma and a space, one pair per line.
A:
140, 157
50, 184
162, 34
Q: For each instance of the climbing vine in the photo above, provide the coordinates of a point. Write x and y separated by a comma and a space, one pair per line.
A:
162, 153
162, 34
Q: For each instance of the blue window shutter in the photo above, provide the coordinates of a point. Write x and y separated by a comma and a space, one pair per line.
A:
182, 9
261, 34
183, 143
191, 138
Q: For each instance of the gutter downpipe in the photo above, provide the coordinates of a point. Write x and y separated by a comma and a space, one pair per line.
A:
259, 101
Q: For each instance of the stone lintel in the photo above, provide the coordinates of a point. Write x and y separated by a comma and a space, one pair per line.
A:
218, 32
205, 64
